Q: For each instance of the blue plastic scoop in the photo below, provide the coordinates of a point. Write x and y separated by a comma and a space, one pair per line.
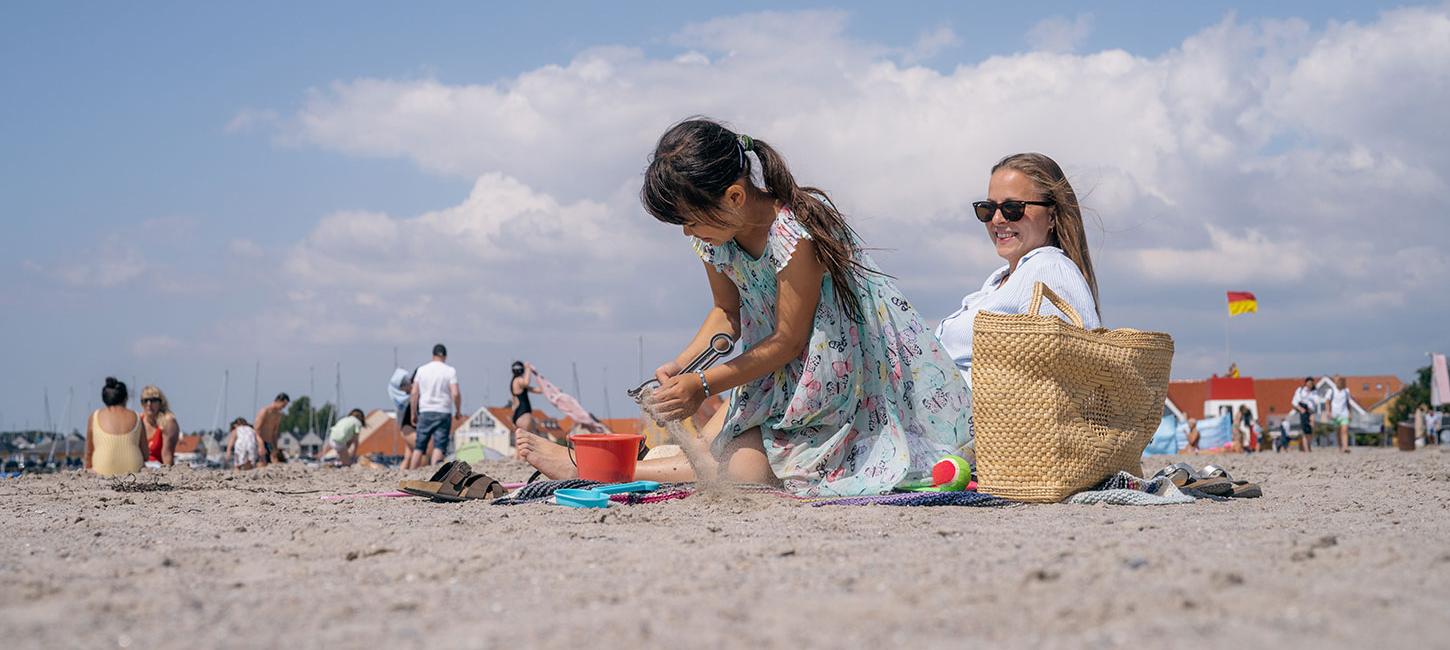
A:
598, 497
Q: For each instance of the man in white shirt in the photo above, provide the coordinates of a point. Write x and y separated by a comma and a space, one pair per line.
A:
436, 399
1306, 403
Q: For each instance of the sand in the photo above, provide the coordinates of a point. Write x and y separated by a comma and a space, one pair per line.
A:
1343, 551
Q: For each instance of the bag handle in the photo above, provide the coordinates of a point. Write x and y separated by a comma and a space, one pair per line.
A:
1040, 291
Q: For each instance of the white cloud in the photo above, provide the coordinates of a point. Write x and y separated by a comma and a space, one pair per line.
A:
1227, 260
1256, 153
245, 248
249, 119
1059, 33
112, 262
930, 44
150, 346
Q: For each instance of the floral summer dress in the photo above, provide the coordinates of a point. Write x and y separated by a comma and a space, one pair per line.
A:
866, 405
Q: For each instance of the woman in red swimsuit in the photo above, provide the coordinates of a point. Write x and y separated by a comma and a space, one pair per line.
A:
160, 426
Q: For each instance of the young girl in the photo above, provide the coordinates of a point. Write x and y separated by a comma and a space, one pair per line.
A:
841, 389
242, 445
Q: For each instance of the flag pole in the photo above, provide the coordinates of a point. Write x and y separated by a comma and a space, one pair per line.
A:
1227, 349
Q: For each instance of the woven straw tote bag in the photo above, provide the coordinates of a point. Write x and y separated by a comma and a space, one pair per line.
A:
1058, 409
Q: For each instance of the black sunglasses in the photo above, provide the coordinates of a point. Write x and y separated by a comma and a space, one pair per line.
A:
151, 400
1011, 210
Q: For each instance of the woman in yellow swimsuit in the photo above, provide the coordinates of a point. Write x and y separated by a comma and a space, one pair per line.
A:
112, 454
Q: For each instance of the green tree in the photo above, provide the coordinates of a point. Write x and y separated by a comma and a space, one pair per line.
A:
297, 417
302, 416
1412, 396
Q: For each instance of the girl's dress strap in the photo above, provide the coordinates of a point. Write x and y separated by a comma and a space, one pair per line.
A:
785, 234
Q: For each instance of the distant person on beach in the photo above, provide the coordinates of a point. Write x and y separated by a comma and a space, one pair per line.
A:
1305, 403
244, 447
400, 389
519, 388
1248, 440
842, 388
1432, 426
115, 454
1192, 437
1034, 221
436, 399
1339, 411
1286, 431
269, 424
159, 423
344, 435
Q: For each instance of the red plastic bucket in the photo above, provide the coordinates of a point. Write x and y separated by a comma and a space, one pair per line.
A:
606, 457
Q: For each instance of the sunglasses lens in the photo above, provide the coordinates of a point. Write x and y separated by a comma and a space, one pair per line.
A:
985, 210
1013, 210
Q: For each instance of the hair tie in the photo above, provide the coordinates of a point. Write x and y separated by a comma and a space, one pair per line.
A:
746, 143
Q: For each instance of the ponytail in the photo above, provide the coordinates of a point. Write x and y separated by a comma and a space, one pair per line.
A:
698, 159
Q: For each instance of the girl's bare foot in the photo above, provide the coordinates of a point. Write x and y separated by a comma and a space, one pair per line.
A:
550, 459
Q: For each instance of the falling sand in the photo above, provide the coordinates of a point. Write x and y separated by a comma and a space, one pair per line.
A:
707, 471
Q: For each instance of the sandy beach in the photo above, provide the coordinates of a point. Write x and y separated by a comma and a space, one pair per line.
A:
1343, 551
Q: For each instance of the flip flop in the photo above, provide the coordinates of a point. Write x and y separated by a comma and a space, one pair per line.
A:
1247, 490
1241, 489
475, 486
1192, 479
1178, 473
444, 483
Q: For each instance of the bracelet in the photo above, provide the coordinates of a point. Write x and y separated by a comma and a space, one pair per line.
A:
703, 383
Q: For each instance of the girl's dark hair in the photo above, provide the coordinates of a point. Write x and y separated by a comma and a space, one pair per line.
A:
114, 393
517, 368
698, 159
361, 417
240, 422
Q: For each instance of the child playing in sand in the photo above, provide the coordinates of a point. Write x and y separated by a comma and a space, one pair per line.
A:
841, 389
344, 436
242, 445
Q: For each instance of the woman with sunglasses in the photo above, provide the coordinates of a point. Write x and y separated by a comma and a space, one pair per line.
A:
160, 425
1033, 219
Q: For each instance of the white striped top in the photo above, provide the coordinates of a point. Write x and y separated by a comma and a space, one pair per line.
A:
1048, 265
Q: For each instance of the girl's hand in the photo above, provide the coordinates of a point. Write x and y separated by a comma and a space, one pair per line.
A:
678, 397
664, 372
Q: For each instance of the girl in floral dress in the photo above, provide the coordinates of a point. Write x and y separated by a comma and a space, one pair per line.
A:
841, 389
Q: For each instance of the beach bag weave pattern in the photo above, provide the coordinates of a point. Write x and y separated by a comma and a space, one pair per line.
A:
1057, 408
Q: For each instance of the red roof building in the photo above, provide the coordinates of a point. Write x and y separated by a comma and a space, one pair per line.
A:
1272, 396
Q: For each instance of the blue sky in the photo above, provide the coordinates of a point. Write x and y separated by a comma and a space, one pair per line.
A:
169, 166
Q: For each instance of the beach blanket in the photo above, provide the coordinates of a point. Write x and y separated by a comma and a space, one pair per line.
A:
923, 499
569, 406
543, 491
971, 498
1124, 489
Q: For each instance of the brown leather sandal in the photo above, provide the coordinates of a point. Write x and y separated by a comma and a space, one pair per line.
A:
444, 483
476, 486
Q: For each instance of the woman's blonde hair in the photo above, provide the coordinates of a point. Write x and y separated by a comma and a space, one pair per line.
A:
152, 392
1067, 232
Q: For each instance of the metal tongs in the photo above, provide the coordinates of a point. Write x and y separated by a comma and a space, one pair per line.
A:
721, 345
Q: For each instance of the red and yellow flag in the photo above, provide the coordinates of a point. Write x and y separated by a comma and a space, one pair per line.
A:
1242, 302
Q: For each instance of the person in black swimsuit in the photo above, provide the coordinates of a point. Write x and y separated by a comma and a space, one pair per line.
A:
519, 388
